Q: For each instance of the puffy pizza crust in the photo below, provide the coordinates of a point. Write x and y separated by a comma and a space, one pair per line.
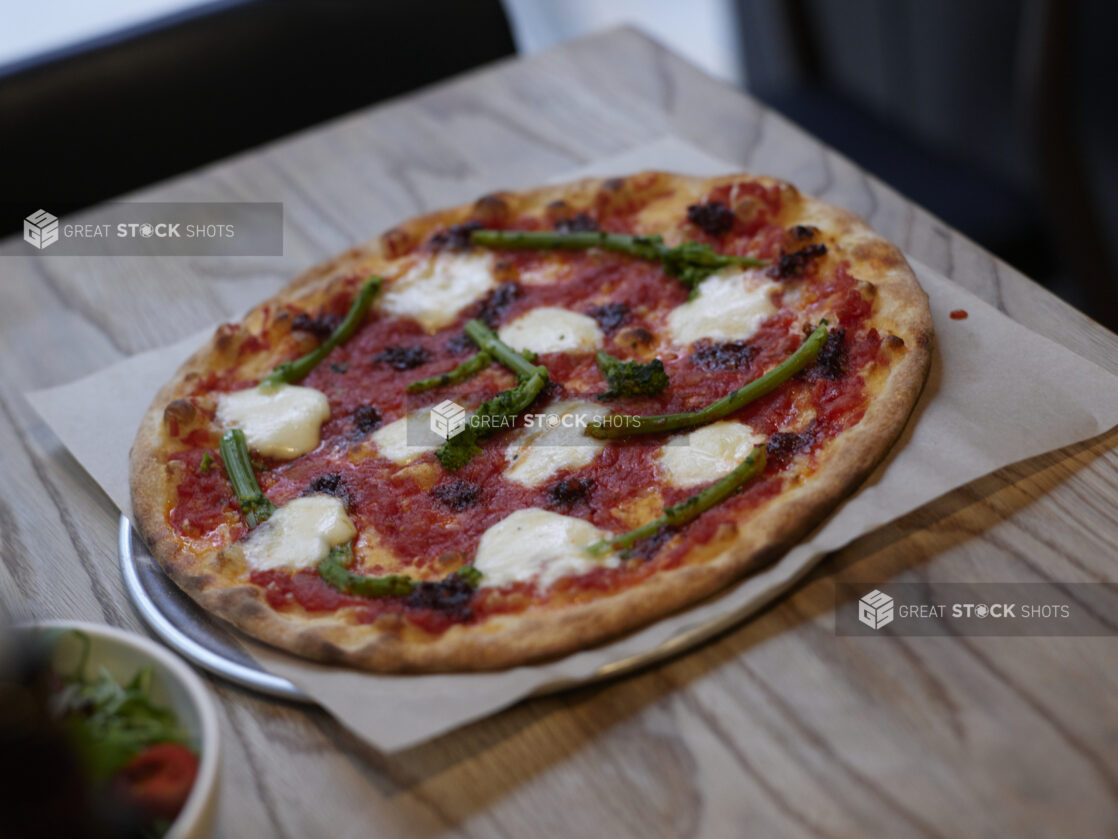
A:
210, 577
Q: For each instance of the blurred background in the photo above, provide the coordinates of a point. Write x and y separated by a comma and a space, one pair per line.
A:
999, 116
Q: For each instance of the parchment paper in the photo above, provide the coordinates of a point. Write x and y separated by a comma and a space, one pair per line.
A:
997, 393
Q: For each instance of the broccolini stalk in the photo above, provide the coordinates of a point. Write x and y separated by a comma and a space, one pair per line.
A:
334, 570
466, 370
622, 425
690, 509
238, 466
496, 413
290, 372
519, 363
690, 262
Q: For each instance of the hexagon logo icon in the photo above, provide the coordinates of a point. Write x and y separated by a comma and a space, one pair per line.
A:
875, 609
40, 229
448, 418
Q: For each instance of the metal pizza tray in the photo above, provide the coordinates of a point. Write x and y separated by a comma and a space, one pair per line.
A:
187, 628
212, 644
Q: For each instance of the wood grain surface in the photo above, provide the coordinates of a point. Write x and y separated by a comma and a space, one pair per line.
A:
778, 728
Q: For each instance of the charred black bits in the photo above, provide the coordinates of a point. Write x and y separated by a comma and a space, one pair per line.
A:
552, 390
610, 316
638, 336
783, 445
366, 418
578, 223
831, 361
794, 264
331, 484
403, 358
461, 343
714, 217
728, 356
647, 548
495, 304
457, 495
570, 491
803, 232
456, 237
451, 596
320, 326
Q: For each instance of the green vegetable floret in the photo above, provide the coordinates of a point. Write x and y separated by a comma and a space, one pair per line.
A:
631, 378
459, 449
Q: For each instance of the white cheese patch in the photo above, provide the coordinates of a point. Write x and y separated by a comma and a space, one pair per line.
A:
405, 439
299, 534
539, 273
438, 287
707, 453
533, 544
551, 329
280, 421
729, 306
553, 441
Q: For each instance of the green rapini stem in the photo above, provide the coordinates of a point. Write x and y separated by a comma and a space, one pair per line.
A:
466, 370
488, 341
334, 570
493, 414
622, 425
290, 372
238, 466
690, 509
690, 263
643, 247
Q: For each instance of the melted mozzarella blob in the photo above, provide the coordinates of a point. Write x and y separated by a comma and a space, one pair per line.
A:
534, 544
405, 439
730, 305
299, 534
436, 289
551, 329
707, 453
554, 441
280, 421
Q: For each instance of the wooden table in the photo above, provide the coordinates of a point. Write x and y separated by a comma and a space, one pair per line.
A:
778, 728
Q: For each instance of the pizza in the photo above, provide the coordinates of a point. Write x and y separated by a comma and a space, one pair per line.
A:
510, 430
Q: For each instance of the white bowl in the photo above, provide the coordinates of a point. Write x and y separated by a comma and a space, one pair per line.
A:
174, 685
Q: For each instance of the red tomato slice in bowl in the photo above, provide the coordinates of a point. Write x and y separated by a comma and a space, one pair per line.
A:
158, 780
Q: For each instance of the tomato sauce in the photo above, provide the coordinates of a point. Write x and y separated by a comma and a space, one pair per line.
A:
429, 537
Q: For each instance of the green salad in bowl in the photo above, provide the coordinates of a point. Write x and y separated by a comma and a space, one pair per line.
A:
133, 748
103, 733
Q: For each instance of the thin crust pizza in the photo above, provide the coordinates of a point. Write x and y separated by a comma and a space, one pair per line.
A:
513, 429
